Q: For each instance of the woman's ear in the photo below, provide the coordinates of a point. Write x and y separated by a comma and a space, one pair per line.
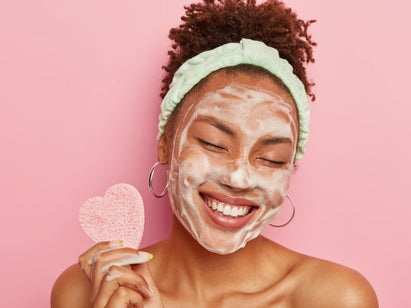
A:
162, 150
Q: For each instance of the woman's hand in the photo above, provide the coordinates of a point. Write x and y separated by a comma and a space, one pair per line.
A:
114, 283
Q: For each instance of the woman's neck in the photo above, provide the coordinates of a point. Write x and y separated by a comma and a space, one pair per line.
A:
183, 259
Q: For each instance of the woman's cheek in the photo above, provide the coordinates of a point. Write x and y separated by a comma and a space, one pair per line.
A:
194, 167
276, 191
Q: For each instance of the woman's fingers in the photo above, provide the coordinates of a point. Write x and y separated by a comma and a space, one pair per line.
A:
122, 257
128, 282
136, 288
87, 259
114, 283
144, 271
124, 297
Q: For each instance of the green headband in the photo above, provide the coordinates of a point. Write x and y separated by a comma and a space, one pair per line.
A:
245, 52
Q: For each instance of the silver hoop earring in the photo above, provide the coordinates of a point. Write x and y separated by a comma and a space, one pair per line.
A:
150, 179
292, 216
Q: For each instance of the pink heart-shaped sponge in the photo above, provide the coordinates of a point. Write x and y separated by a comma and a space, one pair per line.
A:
119, 215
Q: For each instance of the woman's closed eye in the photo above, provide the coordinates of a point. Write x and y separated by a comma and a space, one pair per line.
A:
212, 145
272, 162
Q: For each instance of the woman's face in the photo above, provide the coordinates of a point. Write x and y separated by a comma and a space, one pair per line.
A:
232, 156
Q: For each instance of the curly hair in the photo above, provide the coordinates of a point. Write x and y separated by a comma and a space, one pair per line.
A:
214, 23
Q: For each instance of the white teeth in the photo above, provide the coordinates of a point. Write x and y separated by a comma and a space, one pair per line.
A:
234, 211
241, 211
213, 205
220, 207
227, 210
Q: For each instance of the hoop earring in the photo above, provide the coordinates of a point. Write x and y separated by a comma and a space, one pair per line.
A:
292, 216
150, 179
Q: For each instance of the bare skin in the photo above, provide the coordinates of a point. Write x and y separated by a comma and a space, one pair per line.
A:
185, 274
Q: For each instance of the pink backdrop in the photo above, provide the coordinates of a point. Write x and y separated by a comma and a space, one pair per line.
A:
79, 101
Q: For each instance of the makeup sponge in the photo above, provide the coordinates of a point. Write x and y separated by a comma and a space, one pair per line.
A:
119, 215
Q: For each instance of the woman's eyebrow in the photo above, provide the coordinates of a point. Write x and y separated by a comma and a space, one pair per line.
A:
276, 140
221, 126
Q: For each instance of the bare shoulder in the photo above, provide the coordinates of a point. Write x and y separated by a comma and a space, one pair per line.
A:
326, 284
71, 289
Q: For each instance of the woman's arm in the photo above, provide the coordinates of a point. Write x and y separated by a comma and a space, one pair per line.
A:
333, 285
72, 289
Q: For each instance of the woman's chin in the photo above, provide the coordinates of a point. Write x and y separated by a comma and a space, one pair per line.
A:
221, 242
223, 249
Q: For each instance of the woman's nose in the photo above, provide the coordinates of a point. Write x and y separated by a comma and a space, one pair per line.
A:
239, 177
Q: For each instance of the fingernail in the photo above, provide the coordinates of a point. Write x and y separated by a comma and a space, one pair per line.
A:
116, 244
152, 293
145, 256
129, 258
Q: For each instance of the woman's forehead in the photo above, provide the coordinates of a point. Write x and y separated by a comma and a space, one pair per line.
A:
239, 95
241, 82
253, 112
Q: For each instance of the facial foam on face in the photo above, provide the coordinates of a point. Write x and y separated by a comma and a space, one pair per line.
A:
195, 172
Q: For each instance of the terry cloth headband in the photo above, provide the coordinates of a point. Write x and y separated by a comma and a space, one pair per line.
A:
245, 52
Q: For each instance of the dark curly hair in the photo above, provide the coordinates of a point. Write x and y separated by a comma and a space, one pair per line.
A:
214, 23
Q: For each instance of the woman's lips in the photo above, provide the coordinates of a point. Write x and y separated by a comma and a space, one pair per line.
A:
226, 209
227, 199
229, 215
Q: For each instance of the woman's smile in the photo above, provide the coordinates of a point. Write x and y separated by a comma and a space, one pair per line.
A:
228, 212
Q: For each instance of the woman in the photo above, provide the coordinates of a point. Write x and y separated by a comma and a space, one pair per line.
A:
233, 123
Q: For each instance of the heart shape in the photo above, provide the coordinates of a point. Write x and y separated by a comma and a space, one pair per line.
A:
119, 215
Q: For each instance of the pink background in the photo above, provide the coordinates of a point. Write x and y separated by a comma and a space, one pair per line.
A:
79, 84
